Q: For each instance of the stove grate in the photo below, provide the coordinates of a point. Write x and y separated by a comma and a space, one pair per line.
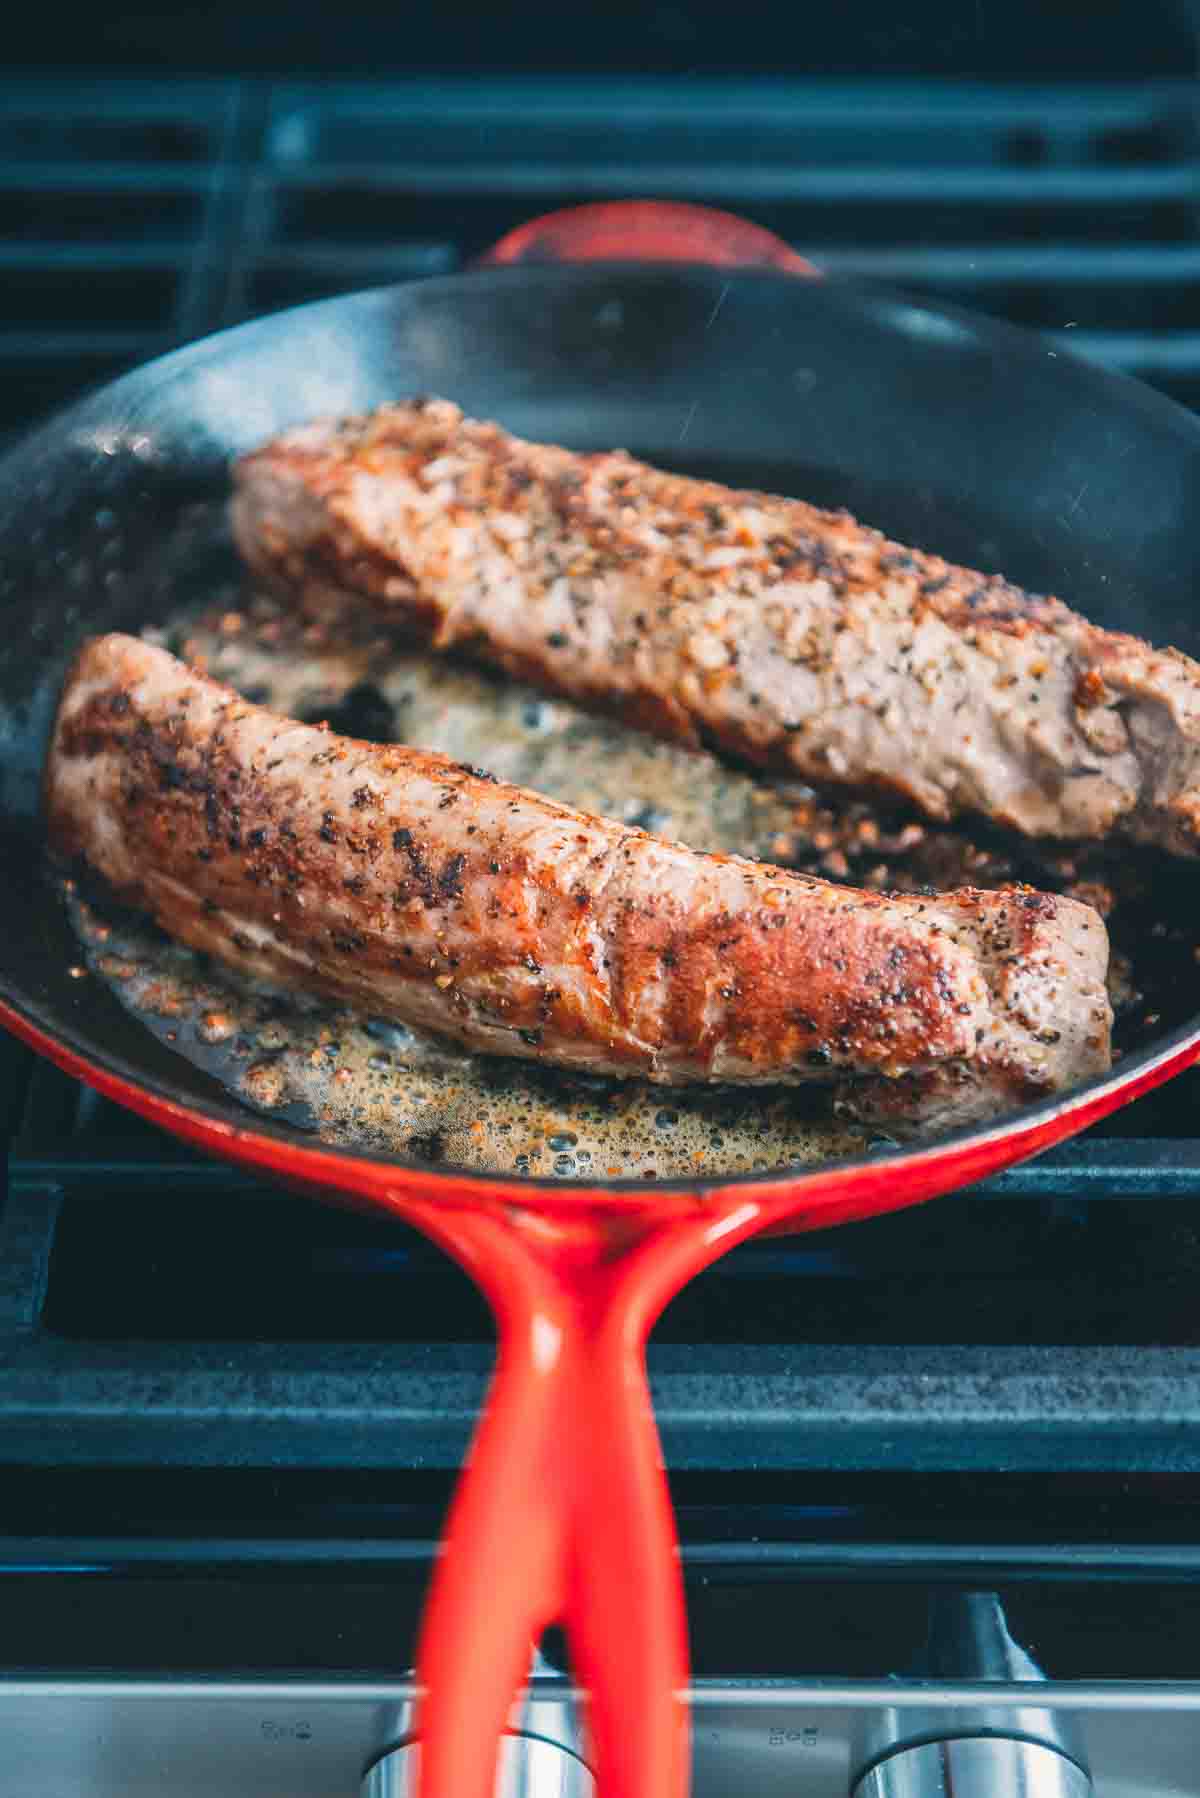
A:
135, 215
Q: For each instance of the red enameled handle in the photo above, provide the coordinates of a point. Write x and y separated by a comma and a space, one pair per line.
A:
647, 231
562, 1513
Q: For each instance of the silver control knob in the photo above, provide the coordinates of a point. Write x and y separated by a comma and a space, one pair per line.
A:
541, 1755
980, 1750
975, 1767
530, 1767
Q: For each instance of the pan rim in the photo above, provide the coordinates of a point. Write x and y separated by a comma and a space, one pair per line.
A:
1164, 1056
876, 296
1073, 1109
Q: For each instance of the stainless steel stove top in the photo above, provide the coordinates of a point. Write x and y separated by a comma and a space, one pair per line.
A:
968, 1711
312, 1739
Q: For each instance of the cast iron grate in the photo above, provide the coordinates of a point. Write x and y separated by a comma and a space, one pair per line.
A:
134, 215
114, 227
1071, 211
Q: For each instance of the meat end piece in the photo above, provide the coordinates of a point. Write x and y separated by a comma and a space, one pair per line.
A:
792, 637
423, 889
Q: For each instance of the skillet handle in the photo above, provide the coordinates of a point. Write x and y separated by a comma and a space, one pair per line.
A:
647, 231
562, 1512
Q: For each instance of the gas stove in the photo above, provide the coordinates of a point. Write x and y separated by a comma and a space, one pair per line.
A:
938, 1475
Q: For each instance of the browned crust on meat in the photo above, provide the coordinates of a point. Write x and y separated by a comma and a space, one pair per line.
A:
415, 885
793, 637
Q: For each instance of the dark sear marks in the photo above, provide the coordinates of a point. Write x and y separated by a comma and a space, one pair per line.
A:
363, 883
796, 639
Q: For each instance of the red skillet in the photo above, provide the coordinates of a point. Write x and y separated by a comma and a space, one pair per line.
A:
956, 433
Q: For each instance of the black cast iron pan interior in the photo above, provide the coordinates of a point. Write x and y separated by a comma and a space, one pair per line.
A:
957, 434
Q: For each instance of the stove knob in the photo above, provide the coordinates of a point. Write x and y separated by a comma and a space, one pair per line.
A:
975, 1767
530, 1767
541, 1755
942, 1749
